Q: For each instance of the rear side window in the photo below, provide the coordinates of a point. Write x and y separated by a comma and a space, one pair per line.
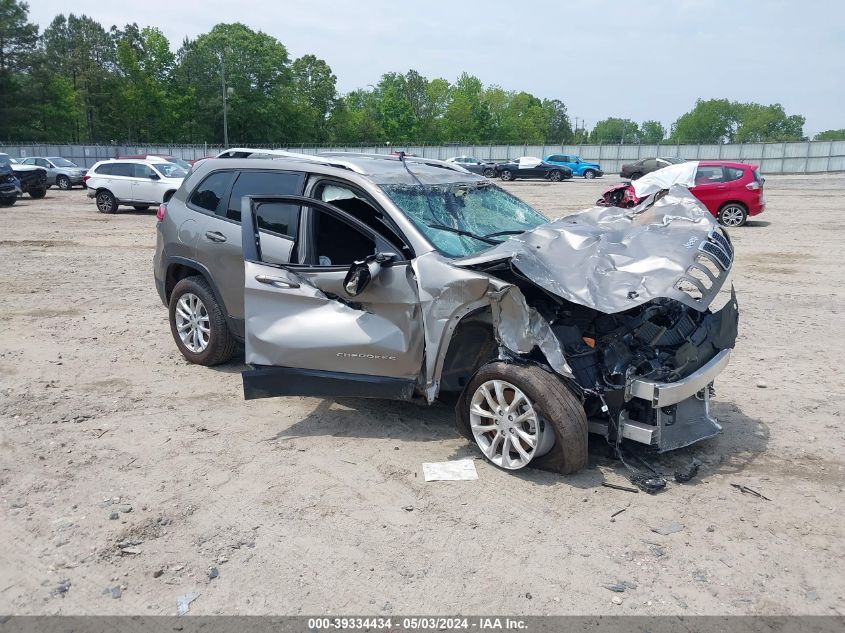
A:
262, 183
211, 191
733, 173
123, 169
708, 174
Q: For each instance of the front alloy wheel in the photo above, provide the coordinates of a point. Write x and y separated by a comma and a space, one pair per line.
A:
506, 426
192, 322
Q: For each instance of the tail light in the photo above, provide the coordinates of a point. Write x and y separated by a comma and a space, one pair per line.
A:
162, 211
86, 178
753, 186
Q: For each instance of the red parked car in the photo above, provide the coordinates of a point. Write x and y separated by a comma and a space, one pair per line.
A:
731, 191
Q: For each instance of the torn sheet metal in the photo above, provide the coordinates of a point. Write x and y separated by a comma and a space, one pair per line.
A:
521, 328
682, 174
612, 259
458, 470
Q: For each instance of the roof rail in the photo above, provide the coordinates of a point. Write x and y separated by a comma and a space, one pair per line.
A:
433, 162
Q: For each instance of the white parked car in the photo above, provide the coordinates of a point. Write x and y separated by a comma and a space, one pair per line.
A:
132, 182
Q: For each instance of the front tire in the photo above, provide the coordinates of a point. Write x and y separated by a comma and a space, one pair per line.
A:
527, 416
63, 183
198, 324
589, 174
732, 214
106, 202
506, 175
38, 193
555, 176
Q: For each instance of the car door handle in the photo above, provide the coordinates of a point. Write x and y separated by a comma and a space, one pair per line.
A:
276, 281
215, 236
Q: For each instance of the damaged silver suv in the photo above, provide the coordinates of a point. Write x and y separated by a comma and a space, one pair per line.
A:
399, 277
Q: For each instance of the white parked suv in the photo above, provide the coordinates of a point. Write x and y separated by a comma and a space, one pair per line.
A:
132, 182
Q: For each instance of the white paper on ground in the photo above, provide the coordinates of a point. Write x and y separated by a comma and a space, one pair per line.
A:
458, 470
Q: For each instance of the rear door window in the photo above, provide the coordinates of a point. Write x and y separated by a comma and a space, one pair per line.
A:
210, 193
262, 183
123, 169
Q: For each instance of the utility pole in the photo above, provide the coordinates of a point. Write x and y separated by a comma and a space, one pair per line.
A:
225, 114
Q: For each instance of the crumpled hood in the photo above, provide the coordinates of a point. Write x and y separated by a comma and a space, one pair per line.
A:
613, 259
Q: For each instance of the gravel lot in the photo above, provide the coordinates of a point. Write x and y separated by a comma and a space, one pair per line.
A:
122, 466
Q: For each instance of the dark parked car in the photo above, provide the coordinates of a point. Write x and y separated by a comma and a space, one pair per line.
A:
530, 167
10, 186
477, 166
33, 180
646, 166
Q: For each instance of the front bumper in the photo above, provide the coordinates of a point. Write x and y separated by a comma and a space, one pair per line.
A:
681, 409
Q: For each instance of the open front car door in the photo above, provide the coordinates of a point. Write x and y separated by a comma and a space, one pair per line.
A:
343, 319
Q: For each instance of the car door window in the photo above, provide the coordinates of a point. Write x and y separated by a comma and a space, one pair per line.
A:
142, 171
42, 163
104, 170
708, 175
337, 243
732, 173
209, 194
123, 169
262, 183
650, 164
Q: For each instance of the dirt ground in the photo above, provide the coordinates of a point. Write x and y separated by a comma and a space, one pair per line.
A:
126, 474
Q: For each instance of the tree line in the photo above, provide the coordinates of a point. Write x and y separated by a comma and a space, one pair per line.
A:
78, 82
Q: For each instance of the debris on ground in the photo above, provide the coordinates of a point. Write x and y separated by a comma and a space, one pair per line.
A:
116, 592
617, 487
158, 573
61, 588
746, 490
683, 475
457, 470
651, 484
616, 587
665, 530
618, 512
183, 603
213, 573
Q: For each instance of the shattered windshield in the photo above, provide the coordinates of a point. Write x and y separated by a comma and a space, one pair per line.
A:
464, 218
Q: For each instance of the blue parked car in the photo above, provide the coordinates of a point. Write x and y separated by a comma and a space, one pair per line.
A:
578, 166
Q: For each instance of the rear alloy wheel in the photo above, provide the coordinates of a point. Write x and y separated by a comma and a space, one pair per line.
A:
198, 324
63, 182
589, 174
106, 202
732, 214
488, 173
506, 175
555, 176
522, 414
38, 193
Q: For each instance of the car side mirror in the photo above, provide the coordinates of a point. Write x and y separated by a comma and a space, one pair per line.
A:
154, 176
363, 272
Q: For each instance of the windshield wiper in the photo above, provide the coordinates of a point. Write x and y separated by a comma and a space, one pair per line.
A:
498, 233
481, 238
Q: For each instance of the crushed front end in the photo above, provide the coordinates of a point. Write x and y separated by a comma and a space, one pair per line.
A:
630, 296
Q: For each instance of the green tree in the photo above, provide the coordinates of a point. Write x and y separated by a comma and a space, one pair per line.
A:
758, 123
18, 38
257, 71
613, 130
652, 132
559, 127
830, 135
315, 95
710, 121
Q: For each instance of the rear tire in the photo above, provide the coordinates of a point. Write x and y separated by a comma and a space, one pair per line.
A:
558, 409
218, 345
555, 175
7, 202
732, 214
38, 193
106, 202
636, 175
63, 183
506, 175
488, 173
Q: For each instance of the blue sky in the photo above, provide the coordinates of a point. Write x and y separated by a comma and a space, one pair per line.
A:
639, 60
